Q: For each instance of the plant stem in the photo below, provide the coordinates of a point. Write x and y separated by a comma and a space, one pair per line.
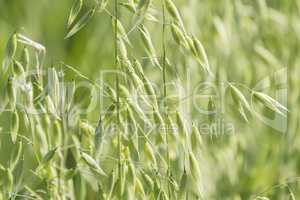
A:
165, 90
118, 98
164, 53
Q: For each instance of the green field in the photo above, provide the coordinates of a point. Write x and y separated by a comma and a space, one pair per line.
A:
149, 99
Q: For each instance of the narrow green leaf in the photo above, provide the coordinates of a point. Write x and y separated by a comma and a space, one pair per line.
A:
103, 5
194, 166
48, 157
270, 103
16, 156
82, 22
173, 11
11, 48
14, 127
92, 164
183, 186
238, 96
75, 10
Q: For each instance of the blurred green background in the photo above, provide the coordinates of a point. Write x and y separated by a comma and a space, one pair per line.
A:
246, 40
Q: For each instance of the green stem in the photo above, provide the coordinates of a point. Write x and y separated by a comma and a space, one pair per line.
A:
118, 97
62, 153
164, 53
165, 90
